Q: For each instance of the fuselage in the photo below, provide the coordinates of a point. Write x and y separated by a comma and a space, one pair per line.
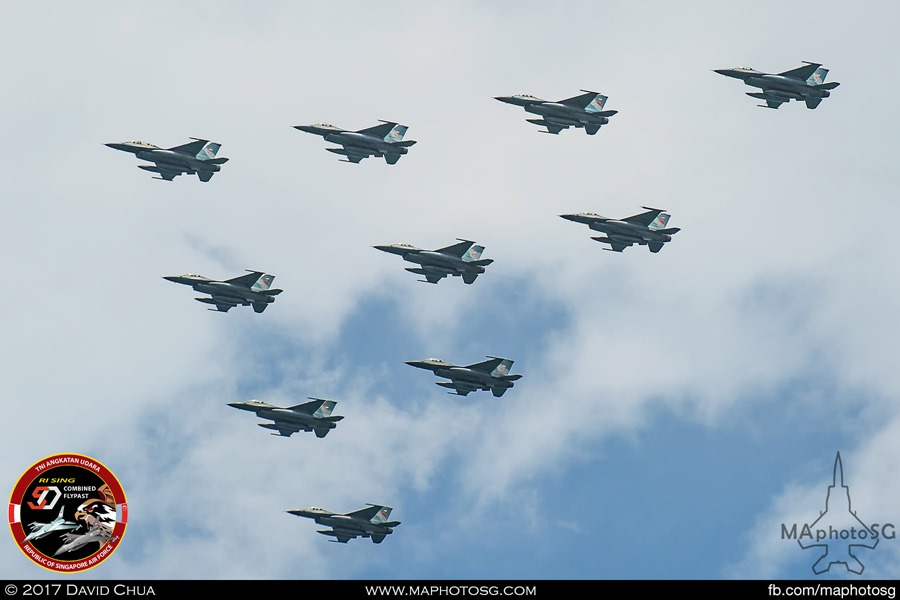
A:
625, 231
565, 115
222, 289
788, 87
177, 159
360, 140
444, 262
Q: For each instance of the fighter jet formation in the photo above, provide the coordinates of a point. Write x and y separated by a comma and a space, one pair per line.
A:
459, 260
246, 290
492, 374
645, 229
584, 110
463, 259
381, 140
310, 416
805, 83
197, 157
371, 522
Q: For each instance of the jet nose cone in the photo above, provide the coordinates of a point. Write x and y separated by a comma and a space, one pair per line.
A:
235, 404
383, 248
570, 217
507, 99
306, 128
173, 278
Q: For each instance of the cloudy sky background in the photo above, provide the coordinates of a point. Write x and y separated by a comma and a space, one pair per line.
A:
675, 407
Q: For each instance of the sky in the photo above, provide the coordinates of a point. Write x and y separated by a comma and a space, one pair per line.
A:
675, 408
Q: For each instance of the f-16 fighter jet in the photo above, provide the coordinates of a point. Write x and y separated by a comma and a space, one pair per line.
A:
246, 290
74, 541
585, 111
645, 229
490, 375
382, 140
39, 530
805, 83
197, 157
371, 522
463, 259
309, 416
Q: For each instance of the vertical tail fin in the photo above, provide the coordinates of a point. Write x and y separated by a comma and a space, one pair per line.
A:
502, 368
382, 515
263, 283
208, 151
325, 409
396, 134
818, 77
473, 253
596, 105
660, 221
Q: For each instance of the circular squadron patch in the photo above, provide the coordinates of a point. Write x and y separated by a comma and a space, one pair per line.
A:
68, 513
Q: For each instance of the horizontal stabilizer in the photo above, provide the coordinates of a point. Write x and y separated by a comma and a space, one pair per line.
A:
321, 432
513, 377
669, 231
216, 161
391, 159
828, 86
469, 277
482, 263
405, 144
607, 113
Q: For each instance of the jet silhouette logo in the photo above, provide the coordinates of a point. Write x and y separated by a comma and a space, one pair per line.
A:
838, 532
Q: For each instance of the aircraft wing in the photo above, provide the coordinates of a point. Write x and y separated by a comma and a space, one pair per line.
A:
308, 407
365, 513
352, 154
246, 280
803, 73
645, 218
579, 101
341, 535
223, 304
165, 171
456, 249
194, 147
460, 388
382, 130
283, 428
486, 365
773, 103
